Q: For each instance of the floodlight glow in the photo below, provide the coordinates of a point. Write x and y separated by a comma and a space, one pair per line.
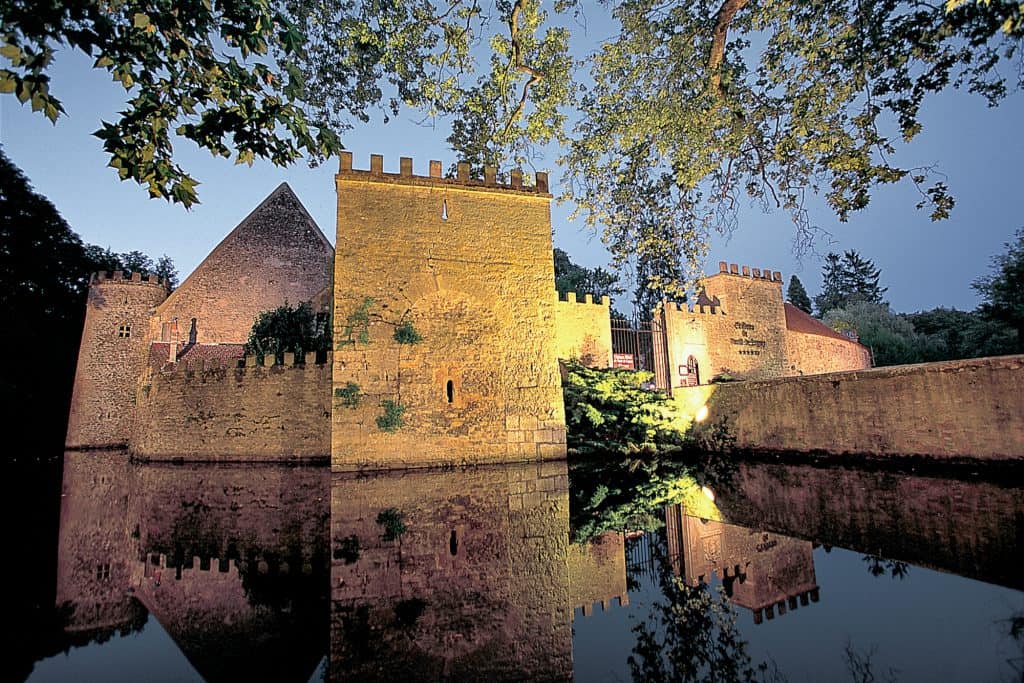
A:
702, 413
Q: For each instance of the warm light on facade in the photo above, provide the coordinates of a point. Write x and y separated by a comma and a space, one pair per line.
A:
702, 414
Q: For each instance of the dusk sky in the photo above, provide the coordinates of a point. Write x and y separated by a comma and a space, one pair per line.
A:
924, 264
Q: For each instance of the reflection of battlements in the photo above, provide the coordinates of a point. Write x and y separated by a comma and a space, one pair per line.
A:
597, 573
764, 572
434, 178
471, 583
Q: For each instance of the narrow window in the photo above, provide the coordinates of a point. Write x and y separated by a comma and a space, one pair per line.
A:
444, 209
124, 331
450, 391
453, 543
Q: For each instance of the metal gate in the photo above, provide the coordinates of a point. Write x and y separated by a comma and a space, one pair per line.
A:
642, 345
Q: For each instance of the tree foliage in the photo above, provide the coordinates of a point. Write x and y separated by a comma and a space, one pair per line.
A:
695, 105
571, 277
297, 329
797, 295
44, 280
133, 262
223, 75
847, 280
687, 110
891, 338
1003, 288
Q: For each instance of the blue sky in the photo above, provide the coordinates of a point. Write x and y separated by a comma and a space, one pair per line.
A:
924, 264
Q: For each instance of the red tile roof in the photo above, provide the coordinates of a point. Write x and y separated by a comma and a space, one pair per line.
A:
798, 321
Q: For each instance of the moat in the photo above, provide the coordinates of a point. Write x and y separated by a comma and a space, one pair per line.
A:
768, 571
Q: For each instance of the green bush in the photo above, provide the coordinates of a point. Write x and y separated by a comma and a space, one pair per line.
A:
391, 420
393, 523
286, 328
349, 394
405, 333
609, 411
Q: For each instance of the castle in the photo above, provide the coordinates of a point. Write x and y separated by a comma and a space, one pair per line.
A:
447, 333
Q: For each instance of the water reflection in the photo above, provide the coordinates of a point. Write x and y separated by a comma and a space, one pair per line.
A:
278, 573
476, 585
231, 561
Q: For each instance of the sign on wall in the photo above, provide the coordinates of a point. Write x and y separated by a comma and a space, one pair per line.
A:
623, 360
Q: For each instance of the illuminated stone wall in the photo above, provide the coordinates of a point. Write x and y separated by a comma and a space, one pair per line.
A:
744, 334
269, 413
583, 330
965, 408
111, 359
276, 254
464, 269
474, 588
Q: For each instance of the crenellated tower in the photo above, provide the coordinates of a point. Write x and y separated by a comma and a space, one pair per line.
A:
444, 321
111, 358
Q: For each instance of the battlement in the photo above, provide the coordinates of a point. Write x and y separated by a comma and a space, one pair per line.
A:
803, 598
157, 566
588, 608
310, 359
572, 298
119, 277
435, 177
746, 271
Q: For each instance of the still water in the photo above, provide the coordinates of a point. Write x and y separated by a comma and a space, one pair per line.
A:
774, 572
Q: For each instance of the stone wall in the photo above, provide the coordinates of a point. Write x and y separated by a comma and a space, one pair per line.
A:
464, 268
276, 254
111, 357
583, 330
274, 413
812, 354
474, 588
948, 410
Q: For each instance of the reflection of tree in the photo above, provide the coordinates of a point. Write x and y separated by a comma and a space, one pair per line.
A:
879, 566
627, 494
691, 635
861, 668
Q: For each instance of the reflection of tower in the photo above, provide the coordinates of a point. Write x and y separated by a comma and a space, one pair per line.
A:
464, 576
111, 358
761, 571
96, 546
232, 562
597, 572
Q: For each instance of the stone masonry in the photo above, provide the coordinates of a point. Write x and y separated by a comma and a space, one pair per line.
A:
462, 272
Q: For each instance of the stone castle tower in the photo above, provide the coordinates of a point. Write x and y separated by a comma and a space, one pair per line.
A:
444, 319
111, 358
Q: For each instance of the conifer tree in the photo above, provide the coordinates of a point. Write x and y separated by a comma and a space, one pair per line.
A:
797, 295
848, 279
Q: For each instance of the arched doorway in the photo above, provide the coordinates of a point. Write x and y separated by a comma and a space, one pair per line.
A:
692, 372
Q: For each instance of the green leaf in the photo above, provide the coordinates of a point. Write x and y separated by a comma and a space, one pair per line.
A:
140, 20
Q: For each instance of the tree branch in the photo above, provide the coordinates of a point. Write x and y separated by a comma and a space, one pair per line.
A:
726, 13
518, 64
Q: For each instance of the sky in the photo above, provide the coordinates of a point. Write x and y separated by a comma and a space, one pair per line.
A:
924, 264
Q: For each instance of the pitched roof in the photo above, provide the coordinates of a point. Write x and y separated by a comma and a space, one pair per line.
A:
798, 321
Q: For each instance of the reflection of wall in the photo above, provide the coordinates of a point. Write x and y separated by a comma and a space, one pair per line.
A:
233, 564
967, 408
761, 571
583, 330
597, 572
231, 561
96, 545
970, 528
475, 588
